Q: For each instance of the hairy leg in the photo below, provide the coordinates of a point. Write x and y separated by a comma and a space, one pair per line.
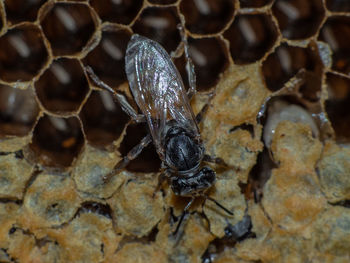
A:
183, 215
131, 155
191, 75
127, 108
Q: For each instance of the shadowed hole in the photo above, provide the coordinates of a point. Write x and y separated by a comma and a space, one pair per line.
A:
250, 37
159, 24
148, 161
68, 27
56, 141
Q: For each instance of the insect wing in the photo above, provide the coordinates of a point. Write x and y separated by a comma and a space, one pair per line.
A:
157, 88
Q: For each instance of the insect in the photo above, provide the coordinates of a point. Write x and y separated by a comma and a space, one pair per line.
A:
159, 92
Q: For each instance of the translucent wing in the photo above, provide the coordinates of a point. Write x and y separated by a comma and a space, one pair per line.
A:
157, 88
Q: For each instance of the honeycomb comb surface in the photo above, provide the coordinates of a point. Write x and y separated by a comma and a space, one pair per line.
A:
275, 74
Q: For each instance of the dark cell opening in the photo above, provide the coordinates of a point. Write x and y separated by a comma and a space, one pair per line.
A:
63, 86
148, 161
159, 24
22, 10
22, 53
18, 111
250, 37
68, 27
254, 3
338, 5
337, 106
122, 11
210, 59
298, 19
286, 61
56, 141
336, 32
103, 119
207, 16
107, 59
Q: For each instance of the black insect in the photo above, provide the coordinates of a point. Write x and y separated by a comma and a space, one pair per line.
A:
159, 92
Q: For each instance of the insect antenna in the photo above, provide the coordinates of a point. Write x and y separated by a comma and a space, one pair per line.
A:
185, 211
219, 161
218, 204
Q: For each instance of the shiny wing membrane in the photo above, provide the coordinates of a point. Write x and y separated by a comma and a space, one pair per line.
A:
157, 88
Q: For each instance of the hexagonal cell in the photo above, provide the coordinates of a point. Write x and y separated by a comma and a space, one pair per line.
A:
336, 32
250, 36
18, 111
254, 3
338, 5
287, 108
162, 2
2, 18
92, 165
159, 24
63, 86
285, 62
207, 16
312, 83
103, 119
136, 207
57, 141
22, 10
107, 59
121, 11
90, 235
148, 161
51, 200
298, 19
209, 56
68, 27
22, 53
337, 106
14, 175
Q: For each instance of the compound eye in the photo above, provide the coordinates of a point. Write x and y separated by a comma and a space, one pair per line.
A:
206, 169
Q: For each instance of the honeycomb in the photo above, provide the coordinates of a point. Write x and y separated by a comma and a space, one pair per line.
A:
274, 78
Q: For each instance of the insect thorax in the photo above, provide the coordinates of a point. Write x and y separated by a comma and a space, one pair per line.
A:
183, 156
183, 152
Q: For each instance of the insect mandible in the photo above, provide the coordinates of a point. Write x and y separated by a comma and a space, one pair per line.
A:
159, 92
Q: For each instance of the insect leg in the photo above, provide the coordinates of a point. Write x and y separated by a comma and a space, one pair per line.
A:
184, 213
189, 64
131, 155
199, 116
127, 108
162, 177
217, 160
